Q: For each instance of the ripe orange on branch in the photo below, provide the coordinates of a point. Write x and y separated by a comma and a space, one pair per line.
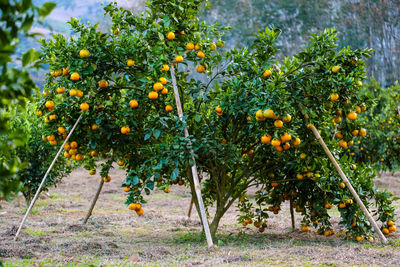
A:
103, 84
75, 76
133, 103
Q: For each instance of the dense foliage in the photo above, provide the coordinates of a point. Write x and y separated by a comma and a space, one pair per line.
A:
248, 120
16, 19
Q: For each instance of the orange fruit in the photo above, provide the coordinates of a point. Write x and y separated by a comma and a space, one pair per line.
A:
84, 106
61, 130
278, 124
165, 67
354, 132
197, 47
92, 172
60, 90
103, 84
120, 162
279, 148
390, 223
125, 130
84, 53
153, 95
343, 143
107, 179
49, 105
342, 185
352, 116
274, 184
72, 92
276, 142
201, 54
74, 144
39, 113
139, 212
385, 231
296, 142
67, 155
269, 114
200, 69
392, 228
133, 103
79, 93
75, 76
168, 108
305, 228
339, 135
65, 71
158, 86
218, 109
179, 59
163, 80
79, 157
299, 176
130, 62
362, 132
189, 46
359, 238
164, 91
286, 146
213, 47
127, 189
95, 127
266, 139
170, 36
342, 205
334, 96
267, 73
287, 118
335, 69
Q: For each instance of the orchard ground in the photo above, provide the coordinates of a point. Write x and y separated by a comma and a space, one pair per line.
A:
54, 234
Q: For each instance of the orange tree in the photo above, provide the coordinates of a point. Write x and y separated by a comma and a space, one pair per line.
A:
247, 120
381, 149
35, 155
261, 137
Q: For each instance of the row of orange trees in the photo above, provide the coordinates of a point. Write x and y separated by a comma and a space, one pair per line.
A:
247, 114
381, 149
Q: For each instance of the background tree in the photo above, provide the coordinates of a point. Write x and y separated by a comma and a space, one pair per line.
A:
16, 19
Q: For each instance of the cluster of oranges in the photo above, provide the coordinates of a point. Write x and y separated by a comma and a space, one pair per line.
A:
72, 151
136, 207
389, 228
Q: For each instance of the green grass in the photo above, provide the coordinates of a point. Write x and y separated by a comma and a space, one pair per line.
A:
34, 232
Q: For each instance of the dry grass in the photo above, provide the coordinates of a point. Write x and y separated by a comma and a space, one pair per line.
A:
54, 234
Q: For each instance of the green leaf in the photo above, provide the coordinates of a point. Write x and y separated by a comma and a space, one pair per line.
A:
29, 57
156, 134
147, 136
175, 174
46, 9
150, 185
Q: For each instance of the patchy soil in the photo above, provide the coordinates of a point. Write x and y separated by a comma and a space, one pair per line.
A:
54, 234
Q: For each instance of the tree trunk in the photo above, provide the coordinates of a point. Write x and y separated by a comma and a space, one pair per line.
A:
217, 218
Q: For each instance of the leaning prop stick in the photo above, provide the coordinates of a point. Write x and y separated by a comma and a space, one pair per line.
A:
45, 177
348, 184
89, 213
194, 168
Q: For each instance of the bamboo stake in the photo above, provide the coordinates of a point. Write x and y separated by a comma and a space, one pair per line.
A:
94, 201
190, 207
348, 184
45, 177
194, 167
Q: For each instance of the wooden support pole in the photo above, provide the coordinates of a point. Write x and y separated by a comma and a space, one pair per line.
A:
94, 201
45, 177
292, 213
348, 184
190, 207
197, 187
